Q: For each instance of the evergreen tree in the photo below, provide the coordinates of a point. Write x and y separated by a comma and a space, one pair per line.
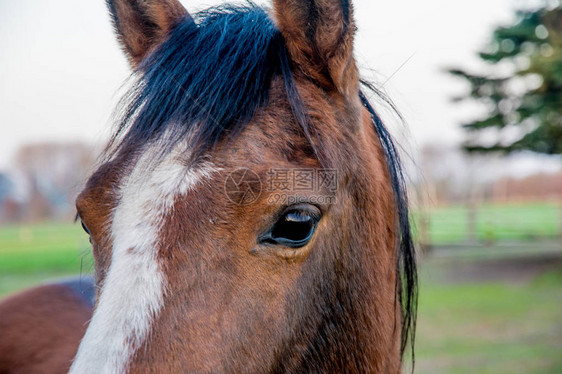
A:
522, 90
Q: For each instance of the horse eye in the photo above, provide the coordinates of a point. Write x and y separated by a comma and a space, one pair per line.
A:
294, 228
85, 228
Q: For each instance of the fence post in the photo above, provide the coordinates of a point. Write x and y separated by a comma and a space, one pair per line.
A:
471, 224
560, 223
424, 238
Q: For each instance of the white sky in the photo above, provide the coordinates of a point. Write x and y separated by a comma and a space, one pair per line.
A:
60, 66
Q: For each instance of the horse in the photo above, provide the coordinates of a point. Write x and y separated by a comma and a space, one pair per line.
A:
249, 214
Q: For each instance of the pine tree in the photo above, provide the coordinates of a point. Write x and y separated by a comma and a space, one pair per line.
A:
522, 90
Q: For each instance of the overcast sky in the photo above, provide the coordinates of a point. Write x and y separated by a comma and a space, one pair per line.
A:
60, 67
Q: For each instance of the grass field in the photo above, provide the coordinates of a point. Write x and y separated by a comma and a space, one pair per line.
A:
505, 319
31, 254
478, 313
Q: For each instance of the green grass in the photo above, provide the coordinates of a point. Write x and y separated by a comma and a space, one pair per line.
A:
492, 327
497, 222
31, 253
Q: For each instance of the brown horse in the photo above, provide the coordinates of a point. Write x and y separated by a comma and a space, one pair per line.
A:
249, 216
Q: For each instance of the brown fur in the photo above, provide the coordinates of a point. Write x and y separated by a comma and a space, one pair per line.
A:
232, 307
319, 36
95, 205
40, 330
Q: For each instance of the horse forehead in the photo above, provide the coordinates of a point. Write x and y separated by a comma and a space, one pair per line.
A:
155, 180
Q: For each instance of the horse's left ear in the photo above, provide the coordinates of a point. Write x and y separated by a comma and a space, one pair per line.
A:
141, 25
319, 36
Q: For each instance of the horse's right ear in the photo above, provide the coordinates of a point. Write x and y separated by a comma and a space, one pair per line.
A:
319, 36
141, 25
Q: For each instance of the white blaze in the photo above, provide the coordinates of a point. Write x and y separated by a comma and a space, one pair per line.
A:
133, 290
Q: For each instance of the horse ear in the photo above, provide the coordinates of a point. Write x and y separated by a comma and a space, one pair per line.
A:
319, 36
141, 25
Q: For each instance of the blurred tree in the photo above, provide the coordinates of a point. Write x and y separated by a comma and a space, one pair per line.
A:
522, 91
54, 174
